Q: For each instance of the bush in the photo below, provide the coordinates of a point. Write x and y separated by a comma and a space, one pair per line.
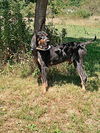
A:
57, 6
29, 10
54, 35
14, 34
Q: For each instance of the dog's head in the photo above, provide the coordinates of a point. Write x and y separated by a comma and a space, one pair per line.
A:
42, 40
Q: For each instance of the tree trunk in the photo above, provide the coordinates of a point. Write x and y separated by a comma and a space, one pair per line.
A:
40, 15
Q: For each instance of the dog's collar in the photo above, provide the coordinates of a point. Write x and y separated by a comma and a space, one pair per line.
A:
38, 48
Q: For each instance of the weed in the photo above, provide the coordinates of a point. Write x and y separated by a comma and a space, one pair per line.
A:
32, 127
39, 111
2, 88
36, 72
2, 113
58, 131
93, 85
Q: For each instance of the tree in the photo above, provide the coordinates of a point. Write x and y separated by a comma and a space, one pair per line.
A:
40, 15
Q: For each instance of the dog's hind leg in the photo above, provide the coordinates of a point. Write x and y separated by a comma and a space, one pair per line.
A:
81, 72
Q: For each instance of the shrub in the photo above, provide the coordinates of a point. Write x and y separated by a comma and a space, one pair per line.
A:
54, 35
57, 6
14, 34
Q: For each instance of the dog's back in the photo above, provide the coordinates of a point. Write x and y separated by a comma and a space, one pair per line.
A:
65, 52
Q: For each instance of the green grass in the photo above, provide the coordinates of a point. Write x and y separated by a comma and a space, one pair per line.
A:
65, 108
78, 31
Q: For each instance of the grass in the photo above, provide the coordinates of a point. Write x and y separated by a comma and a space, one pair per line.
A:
65, 108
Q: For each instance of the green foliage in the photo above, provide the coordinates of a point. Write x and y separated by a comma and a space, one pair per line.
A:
57, 6
25, 72
32, 127
14, 33
36, 72
28, 10
6, 24
28, 1
75, 2
54, 35
64, 33
58, 131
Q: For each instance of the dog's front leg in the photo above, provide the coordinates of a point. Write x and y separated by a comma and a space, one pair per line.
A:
44, 77
43, 72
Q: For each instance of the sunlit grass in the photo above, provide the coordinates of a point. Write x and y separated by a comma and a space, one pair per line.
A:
78, 31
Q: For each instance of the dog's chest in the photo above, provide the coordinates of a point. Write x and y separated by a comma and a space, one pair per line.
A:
45, 56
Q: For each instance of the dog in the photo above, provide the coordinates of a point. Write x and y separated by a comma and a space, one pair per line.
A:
46, 55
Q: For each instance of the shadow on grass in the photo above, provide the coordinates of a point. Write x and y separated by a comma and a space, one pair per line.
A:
92, 85
60, 79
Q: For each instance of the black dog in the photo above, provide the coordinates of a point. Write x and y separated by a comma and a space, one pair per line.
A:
46, 55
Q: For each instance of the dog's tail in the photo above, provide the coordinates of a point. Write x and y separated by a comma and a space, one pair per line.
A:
88, 42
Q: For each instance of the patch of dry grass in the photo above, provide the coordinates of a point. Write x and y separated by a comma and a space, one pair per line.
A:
65, 108
93, 21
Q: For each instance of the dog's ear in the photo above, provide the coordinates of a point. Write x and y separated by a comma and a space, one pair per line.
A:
33, 42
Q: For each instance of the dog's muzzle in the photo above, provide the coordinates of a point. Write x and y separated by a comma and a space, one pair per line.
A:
43, 44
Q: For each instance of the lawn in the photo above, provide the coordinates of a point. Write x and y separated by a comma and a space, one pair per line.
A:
65, 108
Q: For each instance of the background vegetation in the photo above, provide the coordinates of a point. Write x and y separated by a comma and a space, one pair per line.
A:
65, 108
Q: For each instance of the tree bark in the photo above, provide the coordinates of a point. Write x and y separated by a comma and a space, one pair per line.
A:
40, 15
